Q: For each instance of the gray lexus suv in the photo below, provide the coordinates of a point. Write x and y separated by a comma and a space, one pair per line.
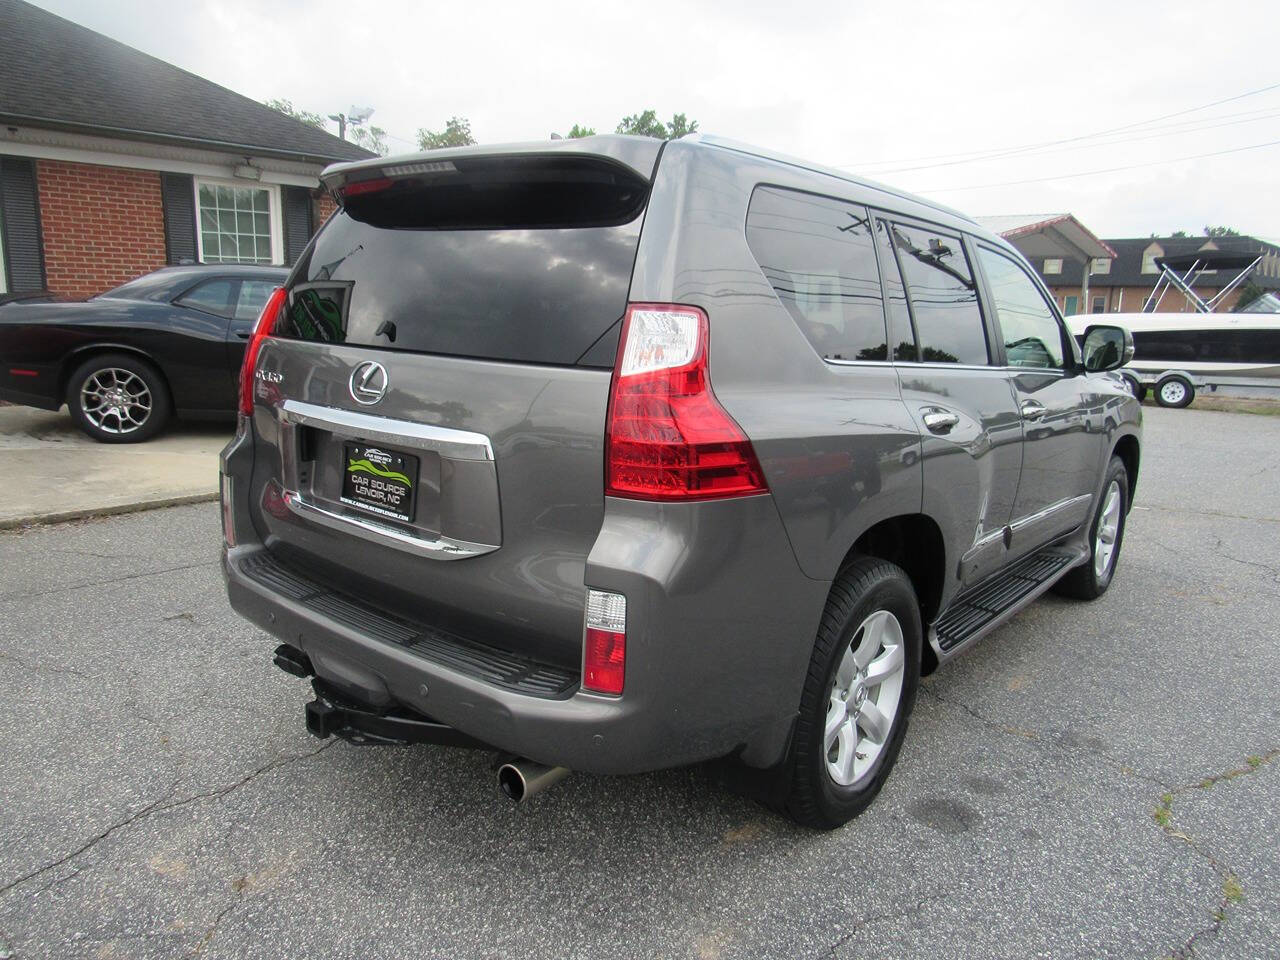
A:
613, 454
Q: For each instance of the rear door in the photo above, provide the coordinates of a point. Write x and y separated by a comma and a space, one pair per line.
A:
251, 296
431, 408
970, 427
1062, 447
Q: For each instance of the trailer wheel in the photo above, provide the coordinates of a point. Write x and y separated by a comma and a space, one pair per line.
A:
1136, 386
1175, 391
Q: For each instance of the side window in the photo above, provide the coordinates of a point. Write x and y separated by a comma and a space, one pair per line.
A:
253, 297
212, 296
819, 257
1032, 335
902, 339
944, 298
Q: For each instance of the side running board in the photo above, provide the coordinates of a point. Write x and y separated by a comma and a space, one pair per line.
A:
992, 601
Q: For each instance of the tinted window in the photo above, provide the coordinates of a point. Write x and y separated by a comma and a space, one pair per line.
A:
253, 297
520, 261
819, 256
901, 336
1032, 336
212, 296
1213, 346
944, 300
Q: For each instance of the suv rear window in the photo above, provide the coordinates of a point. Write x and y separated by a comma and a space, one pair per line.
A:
524, 259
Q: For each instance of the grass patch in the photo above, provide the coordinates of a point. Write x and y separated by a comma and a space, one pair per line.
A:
1232, 890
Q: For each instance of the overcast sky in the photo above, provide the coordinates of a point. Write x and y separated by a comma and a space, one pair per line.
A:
874, 87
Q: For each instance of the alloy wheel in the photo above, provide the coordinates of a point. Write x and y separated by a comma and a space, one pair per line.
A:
864, 698
116, 401
1104, 544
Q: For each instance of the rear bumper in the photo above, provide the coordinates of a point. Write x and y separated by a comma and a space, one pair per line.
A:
584, 731
720, 630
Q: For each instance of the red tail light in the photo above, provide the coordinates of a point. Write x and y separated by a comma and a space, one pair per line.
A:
261, 330
668, 437
604, 660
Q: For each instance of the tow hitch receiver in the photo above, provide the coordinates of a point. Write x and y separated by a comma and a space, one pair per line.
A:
331, 715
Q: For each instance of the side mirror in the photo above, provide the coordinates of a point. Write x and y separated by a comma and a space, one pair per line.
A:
1107, 348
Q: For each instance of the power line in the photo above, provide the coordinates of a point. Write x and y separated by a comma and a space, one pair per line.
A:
977, 155
1092, 173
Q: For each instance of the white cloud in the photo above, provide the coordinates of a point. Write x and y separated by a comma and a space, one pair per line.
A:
836, 82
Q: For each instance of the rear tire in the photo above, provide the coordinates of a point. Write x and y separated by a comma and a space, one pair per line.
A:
118, 398
1136, 386
1106, 536
857, 696
1175, 391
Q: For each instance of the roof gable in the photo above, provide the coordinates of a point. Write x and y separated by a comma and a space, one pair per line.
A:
59, 75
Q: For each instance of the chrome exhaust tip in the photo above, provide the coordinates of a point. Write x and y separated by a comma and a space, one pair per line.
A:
521, 779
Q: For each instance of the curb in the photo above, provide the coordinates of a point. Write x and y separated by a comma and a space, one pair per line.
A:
64, 516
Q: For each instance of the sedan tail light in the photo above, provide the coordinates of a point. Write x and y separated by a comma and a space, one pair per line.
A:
261, 330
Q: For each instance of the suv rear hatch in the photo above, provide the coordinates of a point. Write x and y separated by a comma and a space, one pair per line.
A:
430, 405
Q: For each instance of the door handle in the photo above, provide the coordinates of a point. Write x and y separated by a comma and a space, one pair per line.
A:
1032, 409
939, 421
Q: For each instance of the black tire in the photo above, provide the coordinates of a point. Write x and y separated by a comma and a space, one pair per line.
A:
1175, 391
809, 795
1136, 386
125, 376
1085, 582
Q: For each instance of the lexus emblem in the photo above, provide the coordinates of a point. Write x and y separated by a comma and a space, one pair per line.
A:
368, 382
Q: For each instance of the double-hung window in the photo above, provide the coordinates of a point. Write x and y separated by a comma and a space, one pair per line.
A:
239, 223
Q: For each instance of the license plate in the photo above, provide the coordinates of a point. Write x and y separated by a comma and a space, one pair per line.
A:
380, 481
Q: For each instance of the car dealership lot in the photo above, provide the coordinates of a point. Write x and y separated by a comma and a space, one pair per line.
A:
161, 797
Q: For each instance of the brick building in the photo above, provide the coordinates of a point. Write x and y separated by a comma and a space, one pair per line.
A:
114, 163
1122, 276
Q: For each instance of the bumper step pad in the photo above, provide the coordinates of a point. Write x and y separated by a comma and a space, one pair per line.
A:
483, 662
971, 612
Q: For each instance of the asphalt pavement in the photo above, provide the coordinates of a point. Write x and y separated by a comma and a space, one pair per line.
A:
1094, 780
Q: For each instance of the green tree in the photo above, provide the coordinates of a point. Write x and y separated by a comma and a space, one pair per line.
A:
371, 138
1221, 232
305, 116
1178, 233
647, 124
1248, 293
456, 133
577, 132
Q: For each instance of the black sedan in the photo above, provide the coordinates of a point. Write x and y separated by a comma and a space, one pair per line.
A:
169, 343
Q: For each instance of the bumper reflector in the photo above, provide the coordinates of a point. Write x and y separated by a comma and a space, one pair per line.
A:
604, 659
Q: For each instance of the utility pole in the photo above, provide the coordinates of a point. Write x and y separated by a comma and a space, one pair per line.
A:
358, 115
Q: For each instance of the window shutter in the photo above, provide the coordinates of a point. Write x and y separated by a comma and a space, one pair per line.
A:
297, 222
23, 245
178, 191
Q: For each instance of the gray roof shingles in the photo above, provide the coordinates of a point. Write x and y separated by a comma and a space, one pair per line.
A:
1126, 268
58, 74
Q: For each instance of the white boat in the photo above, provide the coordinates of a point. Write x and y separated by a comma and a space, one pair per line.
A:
1178, 353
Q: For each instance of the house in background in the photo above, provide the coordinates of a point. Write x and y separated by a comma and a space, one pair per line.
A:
114, 163
1086, 274
1125, 281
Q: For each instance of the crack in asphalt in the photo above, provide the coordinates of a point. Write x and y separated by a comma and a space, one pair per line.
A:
865, 922
160, 806
10, 597
213, 927
1219, 549
38, 668
1048, 743
1231, 890
1184, 511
